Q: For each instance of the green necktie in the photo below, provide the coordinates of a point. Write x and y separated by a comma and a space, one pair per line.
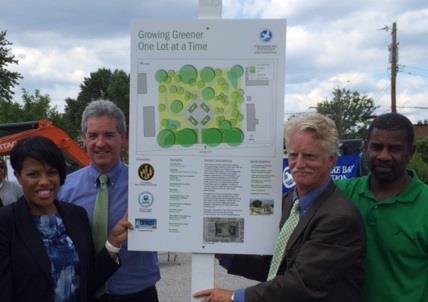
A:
99, 225
281, 243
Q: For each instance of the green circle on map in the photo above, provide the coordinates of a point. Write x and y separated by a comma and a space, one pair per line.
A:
180, 90
162, 107
207, 74
200, 84
221, 81
186, 137
172, 89
188, 74
212, 136
162, 88
238, 98
225, 124
170, 124
225, 86
236, 71
219, 119
161, 75
176, 106
166, 138
208, 93
173, 124
233, 136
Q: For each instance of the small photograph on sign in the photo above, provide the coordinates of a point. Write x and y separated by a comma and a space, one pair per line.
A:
145, 224
261, 206
218, 229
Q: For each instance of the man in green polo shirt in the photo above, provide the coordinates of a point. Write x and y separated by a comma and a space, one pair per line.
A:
394, 204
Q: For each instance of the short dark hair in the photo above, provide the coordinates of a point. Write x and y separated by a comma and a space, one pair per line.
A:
394, 122
41, 149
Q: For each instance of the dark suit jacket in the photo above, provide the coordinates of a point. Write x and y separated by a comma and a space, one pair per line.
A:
25, 269
323, 260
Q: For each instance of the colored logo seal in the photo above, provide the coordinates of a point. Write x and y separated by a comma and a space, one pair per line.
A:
265, 35
145, 199
146, 171
287, 179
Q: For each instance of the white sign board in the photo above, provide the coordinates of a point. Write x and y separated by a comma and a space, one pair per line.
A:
206, 120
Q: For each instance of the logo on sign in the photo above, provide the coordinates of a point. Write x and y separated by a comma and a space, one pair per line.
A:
146, 171
287, 179
265, 35
145, 199
148, 224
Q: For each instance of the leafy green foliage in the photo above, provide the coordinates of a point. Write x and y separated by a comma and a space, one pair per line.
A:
102, 84
420, 166
419, 161
8, 79
422, 149
32, 108
351, 112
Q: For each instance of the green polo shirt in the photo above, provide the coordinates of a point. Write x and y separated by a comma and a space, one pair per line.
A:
397, 240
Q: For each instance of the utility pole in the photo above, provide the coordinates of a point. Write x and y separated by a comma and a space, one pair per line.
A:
394, 66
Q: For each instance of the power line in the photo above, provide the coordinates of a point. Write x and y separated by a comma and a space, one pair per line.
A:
413, 107
414, 67
413, 74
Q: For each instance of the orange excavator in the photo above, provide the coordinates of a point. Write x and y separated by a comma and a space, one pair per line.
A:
45, 128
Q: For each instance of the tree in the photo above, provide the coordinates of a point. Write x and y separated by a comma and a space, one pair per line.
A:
9, 111
351, 112
8, 79
102, 84
422, 148
35, 107
419, 161
420, 166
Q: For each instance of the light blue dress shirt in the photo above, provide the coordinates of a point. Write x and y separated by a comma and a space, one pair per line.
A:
139, 270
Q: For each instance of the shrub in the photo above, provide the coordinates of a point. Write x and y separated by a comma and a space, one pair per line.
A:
420, 166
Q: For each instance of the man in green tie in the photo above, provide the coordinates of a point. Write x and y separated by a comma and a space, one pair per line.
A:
102, 189
320, 249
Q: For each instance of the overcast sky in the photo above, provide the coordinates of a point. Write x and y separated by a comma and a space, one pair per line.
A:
329, 44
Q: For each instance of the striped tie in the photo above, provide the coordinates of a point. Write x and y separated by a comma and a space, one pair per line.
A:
281, 243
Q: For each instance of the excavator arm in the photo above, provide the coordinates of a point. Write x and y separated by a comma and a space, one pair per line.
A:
43, 128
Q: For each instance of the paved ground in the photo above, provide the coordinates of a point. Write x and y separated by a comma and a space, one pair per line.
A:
175, 282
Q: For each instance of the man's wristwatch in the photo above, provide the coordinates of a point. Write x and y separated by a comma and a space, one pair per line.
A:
232, 298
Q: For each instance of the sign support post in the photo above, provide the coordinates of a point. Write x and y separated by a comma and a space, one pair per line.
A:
203, 264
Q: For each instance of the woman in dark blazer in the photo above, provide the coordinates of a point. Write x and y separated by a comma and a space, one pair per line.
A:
46, 248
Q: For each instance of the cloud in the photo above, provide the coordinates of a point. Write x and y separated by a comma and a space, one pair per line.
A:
329, 44
340, 44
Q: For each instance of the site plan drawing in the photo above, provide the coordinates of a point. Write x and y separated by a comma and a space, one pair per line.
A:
204, 106
205, 135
